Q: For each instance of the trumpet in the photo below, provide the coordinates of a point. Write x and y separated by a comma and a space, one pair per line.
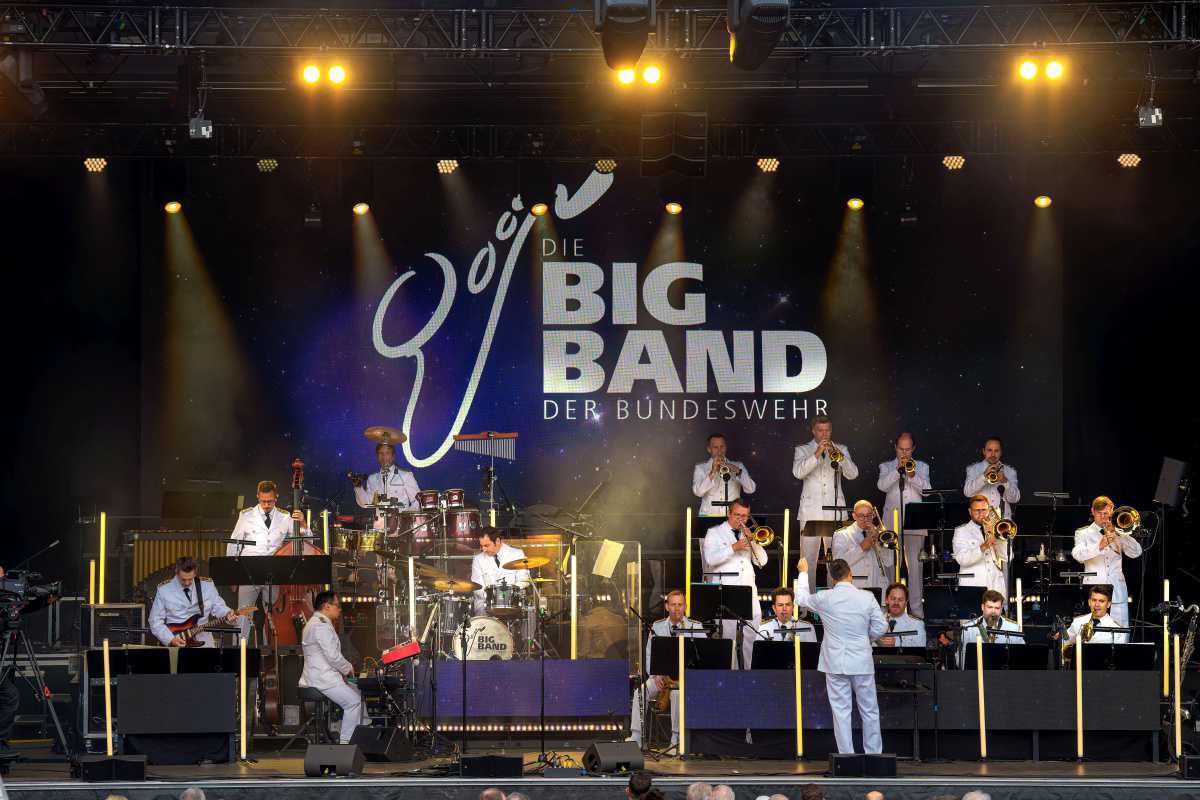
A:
835, 455
994, 473
909, 467
724, 471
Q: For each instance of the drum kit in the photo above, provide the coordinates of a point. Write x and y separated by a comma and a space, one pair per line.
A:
438, 535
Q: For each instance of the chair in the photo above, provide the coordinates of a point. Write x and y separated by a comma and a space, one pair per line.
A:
316, 727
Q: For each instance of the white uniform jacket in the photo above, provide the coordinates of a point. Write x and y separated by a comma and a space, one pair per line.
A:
771, 631
820, 482
711, 488
971, 631
1107, 563
260, 539
851, 619
719, 556
487, 571
847, 546
400, 485
905, 622
171, 604
1098, 636
980, 565
976, 484
889, 484
662, 627
324, 664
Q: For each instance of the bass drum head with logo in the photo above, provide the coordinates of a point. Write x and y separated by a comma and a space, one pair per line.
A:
488, 639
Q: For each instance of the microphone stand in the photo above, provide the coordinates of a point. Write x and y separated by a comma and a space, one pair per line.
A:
645, 676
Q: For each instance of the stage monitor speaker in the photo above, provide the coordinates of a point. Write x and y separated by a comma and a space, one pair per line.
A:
880, 765
332, 759
847, 765
95, 768
382, 744
607, 757
1189, 768
491, 766
129, 768
1170, 479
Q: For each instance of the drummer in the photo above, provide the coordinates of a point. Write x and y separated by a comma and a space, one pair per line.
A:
397, 484
487, 568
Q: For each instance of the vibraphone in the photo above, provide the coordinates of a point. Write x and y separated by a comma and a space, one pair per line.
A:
154, 551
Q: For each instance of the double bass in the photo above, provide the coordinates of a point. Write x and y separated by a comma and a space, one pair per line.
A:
291, 609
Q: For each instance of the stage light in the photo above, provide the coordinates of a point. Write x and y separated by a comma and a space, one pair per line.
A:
337, 74
1042, 201
1028, 70
627, 75
1054, 70
267, 165
855, 204
539, 209
768, 164
311, 73
674, 208
651, 74
173, 207
624, 27
755, 27
361, 208
1129, 160
95, 164
446, 165
605, 165
954, 162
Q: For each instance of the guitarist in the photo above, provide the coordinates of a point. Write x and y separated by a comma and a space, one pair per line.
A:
185, 596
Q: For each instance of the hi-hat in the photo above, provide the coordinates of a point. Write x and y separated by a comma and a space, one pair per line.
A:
533, 562
454, 586
382, 434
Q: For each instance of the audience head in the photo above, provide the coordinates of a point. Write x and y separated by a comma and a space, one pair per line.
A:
722, 792
699, 791
491, 793
811, 791
875, 795
192, 793
778, 797
639, 784
517, 796
976, 795
654, 794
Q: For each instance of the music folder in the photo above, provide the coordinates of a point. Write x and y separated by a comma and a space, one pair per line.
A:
1009, 656
782, 655
270, 570
709, 601
698, 653
1135, 656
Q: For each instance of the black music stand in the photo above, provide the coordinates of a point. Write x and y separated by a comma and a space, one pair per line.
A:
711, 601
770, 654
130, 661
946, 605
271, 570
218, 659
1009, 656
698, 653
1129, 657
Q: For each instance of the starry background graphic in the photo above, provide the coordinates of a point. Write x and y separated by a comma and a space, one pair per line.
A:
949, 328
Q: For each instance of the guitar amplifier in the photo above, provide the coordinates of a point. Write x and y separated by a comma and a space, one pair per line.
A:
120, 623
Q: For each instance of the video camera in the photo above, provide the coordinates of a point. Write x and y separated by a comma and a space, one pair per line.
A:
21, 589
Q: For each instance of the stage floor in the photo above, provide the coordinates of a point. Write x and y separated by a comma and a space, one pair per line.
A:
273, 774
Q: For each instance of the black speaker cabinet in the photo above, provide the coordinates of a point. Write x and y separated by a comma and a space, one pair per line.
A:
129, 768
95, 768
1189, 768
332, 759
1170, 477
880, 765
491, 766
847, 765
382, 744
613, 757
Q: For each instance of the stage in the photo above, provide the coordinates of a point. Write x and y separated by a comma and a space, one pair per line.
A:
750, 778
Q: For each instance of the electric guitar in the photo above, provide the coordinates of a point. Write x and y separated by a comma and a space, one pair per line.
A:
189, 628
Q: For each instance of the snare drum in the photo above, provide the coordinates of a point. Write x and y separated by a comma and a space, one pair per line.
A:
488, 639
505, 600
427, 500
455, 498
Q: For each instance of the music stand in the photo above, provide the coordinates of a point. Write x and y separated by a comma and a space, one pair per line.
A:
769, 654
952, 604
1130, 657
698, 653
218, 659
1009, 656
130, 661
709, 600
271, 570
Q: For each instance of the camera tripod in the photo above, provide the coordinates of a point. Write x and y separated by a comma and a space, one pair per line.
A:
14, 639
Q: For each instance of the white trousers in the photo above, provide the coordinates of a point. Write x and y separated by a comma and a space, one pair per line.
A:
913, 545
810, 548
353, 712
843, 691
248, 596
635, 719
1120, 613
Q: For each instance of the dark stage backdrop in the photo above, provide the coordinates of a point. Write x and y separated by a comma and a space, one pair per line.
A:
611, 336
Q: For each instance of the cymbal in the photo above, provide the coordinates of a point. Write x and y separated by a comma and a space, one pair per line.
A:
543, 580
532, 562
382, 434
426, 572
454, 586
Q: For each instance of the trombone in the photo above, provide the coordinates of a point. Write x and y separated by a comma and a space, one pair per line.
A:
1126, 520
1003, 529
762, 535
887, 536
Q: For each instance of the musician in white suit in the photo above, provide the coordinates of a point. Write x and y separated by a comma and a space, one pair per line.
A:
852, 620
729, 549
674, 624
1006, 489
992, 623
260, 531
890, 473
708, 483
785, 626
182, 597
814, 463
397, 484
325, 668
1100, 549
895, 603
872, 565
1099, 603
977, 552
487, 567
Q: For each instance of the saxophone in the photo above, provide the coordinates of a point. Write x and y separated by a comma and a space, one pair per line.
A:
663, 701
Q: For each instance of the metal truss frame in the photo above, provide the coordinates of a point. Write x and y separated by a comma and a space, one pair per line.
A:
694, 32
583, 143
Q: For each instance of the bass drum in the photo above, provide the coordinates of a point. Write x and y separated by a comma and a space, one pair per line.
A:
488, 639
